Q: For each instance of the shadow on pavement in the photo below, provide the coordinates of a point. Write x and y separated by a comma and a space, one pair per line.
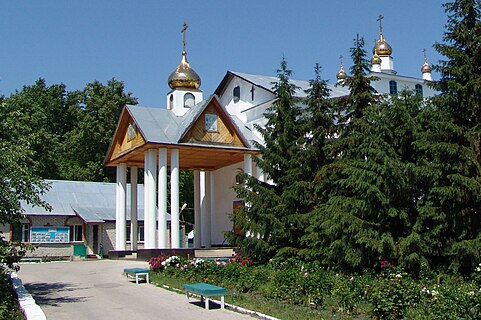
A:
53, 294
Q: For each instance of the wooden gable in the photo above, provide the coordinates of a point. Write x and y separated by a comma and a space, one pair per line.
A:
214, 127
127, 137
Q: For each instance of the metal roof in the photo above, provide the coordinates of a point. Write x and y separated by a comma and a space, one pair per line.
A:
163, 126
150, 120
267, 82
92, 201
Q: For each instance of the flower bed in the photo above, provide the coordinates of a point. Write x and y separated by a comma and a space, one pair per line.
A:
388, 293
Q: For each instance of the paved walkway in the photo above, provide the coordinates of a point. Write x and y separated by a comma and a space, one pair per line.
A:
97, 290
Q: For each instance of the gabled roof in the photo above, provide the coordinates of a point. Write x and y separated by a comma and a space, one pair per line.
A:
91, 201
156, 125
267, 83
161, 128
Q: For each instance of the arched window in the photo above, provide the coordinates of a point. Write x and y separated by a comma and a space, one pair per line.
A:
238, 177
418, 89
171, 102
189, 100
392, 87
236, 94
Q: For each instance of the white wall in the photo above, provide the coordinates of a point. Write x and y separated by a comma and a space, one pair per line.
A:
245, 102
382, 85
224, 180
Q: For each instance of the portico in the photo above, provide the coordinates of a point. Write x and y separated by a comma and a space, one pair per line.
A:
206, 138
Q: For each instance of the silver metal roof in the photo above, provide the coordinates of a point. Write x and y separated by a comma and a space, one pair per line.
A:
92, 201
267, 82
157, 125
163, 126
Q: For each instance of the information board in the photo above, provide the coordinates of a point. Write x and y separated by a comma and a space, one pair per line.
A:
50, 235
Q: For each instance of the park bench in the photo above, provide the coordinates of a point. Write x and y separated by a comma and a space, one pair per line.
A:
206, 291
137, 273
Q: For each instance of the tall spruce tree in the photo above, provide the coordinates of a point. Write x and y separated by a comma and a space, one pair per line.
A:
349, 229
273, 218
460, 81
453, 161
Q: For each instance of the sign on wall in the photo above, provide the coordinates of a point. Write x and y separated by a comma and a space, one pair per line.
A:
49, 235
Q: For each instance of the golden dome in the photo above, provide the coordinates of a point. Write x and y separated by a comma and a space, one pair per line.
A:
382, 48
341, 75
375, 59
426, 68
184, 76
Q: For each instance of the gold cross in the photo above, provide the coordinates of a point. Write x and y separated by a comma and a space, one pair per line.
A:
380, 22
424, 50
340, 58
184, 31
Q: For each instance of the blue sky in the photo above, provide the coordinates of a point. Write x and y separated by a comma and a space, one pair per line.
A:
140, 43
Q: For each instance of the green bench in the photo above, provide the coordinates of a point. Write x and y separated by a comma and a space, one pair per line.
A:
206, 291
137, 273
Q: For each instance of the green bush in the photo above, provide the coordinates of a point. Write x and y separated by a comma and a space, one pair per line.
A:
8, 299
391, 294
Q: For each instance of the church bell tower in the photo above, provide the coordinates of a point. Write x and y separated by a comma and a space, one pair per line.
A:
185, 84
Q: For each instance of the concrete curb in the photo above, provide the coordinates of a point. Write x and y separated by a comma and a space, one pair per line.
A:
29, 307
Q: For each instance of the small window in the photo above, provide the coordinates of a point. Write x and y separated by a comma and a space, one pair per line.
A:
76, 233
21, 232
171, 102
131, 132
238, 177
418, 89
392, 87
140, 232
189, 100
236, 94
253, 89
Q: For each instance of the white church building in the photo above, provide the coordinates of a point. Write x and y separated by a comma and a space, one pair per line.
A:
214, 137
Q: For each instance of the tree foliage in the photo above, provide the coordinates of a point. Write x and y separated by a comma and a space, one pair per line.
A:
274, 213
387, 178
99, 107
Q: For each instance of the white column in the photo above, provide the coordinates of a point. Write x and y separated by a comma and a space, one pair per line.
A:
206, 208
120, 221
248, 164
197, 216
162, 194
133, 208
151, 175
174, 198
146, 201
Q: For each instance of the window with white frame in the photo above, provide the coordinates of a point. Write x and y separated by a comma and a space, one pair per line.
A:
76, 233
392, 87
418, 89
21, 232
140, 232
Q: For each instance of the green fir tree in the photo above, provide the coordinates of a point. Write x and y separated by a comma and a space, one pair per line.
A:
273, 218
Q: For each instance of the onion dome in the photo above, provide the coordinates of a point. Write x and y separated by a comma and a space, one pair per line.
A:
341, 75
382, 48
184, 76
426, 68
375, 59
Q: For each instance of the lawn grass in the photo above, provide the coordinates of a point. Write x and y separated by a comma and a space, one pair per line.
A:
258, 303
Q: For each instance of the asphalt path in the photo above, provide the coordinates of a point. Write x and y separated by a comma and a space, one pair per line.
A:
83, 290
